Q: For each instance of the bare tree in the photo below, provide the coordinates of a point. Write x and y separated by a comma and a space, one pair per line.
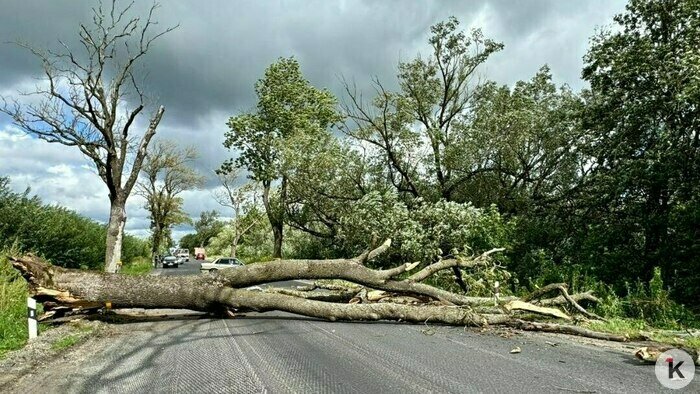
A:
242, 199
166, 174
91, 99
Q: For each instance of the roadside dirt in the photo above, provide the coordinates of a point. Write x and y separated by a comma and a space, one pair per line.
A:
72, 342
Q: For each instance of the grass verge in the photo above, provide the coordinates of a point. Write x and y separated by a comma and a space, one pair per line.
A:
139, 266
637, 329
13, 307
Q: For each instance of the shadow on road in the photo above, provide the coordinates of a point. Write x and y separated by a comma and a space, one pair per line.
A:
158, 342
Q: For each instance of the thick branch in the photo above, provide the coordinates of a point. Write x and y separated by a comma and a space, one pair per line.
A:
449, 263
59, 287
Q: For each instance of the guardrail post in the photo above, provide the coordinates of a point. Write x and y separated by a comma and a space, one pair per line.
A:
31, 317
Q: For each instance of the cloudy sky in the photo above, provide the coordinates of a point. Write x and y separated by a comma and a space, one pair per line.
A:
204, 71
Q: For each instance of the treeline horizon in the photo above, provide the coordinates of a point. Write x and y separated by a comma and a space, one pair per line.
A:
56, 233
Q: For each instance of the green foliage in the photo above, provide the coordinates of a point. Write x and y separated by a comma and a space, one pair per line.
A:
641, 202
651, 302
189, 241
289, 108
287, 105
591, 188
207, 227
13, 305
641, 330
254, 245
138, 266
413, 134
56, 233
520, 147
165, 175
425, 232
628, 327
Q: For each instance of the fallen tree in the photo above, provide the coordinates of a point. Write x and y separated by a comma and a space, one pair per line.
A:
395, 294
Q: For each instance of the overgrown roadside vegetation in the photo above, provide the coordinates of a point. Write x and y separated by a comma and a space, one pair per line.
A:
13, 307
138, 266
58, 234
595, 188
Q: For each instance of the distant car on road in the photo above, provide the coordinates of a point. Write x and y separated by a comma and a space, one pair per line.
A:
220, 264
200, 254
184, 254
170, 261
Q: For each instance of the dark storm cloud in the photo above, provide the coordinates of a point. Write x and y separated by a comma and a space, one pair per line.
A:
204, 71
222, 47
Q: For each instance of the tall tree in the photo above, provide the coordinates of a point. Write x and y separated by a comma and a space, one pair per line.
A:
242, 200
92, 99
207, 227
525, 141
165, 175
644, 118
288, 105
415, 130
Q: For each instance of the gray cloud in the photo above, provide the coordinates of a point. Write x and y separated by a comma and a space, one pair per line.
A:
205, 70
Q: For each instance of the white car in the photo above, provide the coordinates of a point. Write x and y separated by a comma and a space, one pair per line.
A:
220, 264
184, 254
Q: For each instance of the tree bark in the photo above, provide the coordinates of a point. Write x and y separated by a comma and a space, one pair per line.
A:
229, 291
115, 235
277, 233
275, 215
75, 288
234, 243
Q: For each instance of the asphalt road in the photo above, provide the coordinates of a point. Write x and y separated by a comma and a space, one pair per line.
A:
282, 353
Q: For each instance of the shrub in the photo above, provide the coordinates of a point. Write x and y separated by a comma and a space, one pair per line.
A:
13, 307
56, 233
138, 266
652, 303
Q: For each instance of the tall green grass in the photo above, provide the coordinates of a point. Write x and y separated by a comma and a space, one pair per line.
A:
138, 266
13, 307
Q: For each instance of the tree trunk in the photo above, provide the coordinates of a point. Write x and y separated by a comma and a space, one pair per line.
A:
277, 235
234, 245
156, 239
278, 226
115, 235
228, 291
275, 215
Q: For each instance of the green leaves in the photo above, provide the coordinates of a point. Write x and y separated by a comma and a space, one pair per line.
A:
164, 175
287, 106
413, 131
644, 120
426, 231
56, 233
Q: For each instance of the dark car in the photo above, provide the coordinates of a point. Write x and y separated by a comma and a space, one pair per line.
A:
170, 261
